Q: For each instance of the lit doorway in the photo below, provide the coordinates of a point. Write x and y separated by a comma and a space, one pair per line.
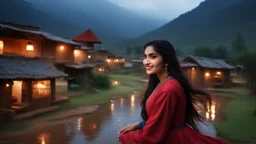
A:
17, 92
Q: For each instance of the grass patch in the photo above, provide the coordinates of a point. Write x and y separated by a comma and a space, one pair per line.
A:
97, 98
240, 121
128, 84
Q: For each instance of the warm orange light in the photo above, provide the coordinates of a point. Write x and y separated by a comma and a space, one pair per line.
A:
213, 108
1, 47
132, 98
89, 56
116, 60
193, 68
30, 46
207, 115
76, 52
112, 106
100, 69
94, 126
207, 74
61, 47
218, 73
79, 122
7, 85
115, 82
40, 86
108, 60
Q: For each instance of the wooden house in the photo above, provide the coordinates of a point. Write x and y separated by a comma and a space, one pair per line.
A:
27, 83
207, 72
30, 41
18, 39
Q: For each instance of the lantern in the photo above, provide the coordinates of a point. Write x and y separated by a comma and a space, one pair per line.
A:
1, 47
30, 46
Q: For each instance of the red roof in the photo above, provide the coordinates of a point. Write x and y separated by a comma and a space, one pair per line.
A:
87, 36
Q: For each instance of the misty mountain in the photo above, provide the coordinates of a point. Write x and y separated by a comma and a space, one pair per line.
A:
22, 12
212, 23
90, 13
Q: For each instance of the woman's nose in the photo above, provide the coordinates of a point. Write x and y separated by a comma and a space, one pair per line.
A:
145, 61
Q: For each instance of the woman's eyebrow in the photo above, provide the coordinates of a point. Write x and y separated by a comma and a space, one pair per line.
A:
150, 54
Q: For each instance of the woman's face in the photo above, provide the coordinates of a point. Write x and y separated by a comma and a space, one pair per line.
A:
153, 61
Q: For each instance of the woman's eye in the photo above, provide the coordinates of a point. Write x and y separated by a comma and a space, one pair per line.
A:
152, 57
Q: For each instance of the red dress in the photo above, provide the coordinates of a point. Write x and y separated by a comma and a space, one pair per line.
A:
165, 109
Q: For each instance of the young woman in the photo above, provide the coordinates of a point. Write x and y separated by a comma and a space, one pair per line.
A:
168, 108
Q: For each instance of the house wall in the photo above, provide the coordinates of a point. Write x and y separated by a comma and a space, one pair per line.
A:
41, 97
30, 95
6, 94
90, 45
67, 54
208, 79
80, 56
93, 58
59, 52
53, 89
226, 78
102, 56
198, 77
26, 91
195, 76
18, 46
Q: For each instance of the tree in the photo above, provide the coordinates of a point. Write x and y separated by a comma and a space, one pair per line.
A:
137, 50
239, 45
221, 52
128, 50
248, 60
203, 51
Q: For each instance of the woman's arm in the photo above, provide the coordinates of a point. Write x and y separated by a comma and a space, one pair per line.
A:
157, 125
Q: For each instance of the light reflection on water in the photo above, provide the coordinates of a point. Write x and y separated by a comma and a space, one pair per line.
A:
44, 138
101, 126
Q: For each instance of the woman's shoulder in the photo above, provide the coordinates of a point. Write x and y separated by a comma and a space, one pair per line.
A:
171, 86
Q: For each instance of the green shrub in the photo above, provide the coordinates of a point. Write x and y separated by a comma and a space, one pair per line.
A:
101, 81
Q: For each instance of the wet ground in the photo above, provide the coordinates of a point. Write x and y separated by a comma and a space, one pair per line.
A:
100, 126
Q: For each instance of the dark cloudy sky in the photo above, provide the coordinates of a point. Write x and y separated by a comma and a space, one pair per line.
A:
166, 9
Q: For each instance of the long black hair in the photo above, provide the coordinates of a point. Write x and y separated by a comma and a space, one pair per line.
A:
193, 96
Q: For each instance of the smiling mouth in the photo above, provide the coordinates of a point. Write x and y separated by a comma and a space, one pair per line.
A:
148, 68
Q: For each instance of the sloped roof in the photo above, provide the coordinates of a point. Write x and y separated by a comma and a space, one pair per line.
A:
87, 36
20, 67
188, 64
137, 61
209, 62
80, 66
42, 33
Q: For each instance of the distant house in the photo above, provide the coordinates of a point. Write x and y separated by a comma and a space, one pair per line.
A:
137, 65
79, 74
237, 75
207, 72
88, 38
27, 83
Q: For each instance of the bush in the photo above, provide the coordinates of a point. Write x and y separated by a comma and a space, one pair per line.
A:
122, 71
101, 81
